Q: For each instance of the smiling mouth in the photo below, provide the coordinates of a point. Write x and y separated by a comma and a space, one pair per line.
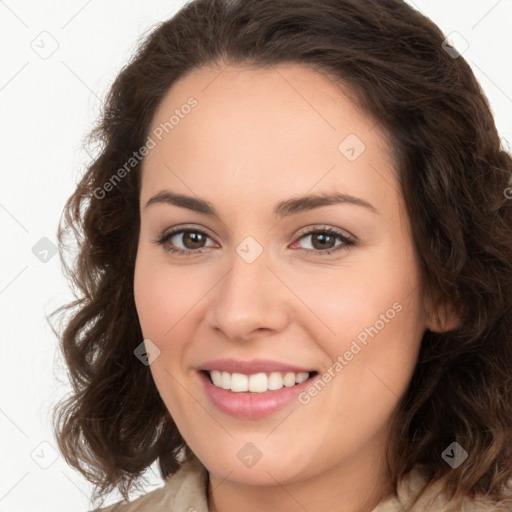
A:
257, 382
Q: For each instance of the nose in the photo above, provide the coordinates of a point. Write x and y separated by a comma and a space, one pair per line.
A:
248, 299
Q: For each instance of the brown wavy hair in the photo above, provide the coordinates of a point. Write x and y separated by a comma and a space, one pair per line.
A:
452, 172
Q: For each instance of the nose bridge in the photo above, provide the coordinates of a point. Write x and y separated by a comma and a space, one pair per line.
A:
247, 297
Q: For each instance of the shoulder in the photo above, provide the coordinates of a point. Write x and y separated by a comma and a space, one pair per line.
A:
185, 491
436, 500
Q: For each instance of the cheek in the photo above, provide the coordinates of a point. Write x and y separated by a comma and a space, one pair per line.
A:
375, 318
348, 301
164, 303
163, 298
380, 348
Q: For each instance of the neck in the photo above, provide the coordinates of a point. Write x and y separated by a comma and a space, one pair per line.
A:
355, 487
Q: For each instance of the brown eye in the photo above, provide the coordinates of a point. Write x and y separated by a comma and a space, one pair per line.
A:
191, 240
323, 241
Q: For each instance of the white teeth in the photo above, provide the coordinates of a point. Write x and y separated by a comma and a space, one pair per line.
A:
226, 380
239, 382
275, 381
289, 379
257, 382
301, 377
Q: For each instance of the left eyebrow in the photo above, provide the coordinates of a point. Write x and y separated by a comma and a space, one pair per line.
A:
281, 209
293, 206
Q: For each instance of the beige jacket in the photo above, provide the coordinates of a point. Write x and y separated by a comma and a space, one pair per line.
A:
186, 491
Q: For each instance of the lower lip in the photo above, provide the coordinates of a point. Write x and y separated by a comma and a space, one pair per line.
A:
252, 405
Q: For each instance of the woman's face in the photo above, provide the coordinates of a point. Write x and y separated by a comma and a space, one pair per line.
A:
261, 155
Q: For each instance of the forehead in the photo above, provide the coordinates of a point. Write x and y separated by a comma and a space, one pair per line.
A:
287, 126
270, 97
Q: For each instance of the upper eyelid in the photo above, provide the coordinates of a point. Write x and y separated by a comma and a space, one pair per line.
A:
324, 227
304, 230
180, 229
307, 230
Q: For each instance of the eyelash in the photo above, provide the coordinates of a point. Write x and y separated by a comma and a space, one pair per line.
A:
347, 242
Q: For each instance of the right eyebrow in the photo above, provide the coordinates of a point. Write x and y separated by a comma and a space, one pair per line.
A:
183, 201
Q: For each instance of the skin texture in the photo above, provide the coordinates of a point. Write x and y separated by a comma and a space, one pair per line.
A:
257, 137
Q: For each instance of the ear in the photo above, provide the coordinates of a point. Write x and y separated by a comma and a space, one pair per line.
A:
441, 314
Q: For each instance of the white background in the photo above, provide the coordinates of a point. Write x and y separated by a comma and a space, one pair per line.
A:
48, 105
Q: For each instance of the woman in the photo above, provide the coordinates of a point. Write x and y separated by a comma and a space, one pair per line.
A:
295, 266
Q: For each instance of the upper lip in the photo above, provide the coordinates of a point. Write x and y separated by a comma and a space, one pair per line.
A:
251, 367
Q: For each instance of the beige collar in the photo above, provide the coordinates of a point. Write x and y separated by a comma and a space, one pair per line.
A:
186, 491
